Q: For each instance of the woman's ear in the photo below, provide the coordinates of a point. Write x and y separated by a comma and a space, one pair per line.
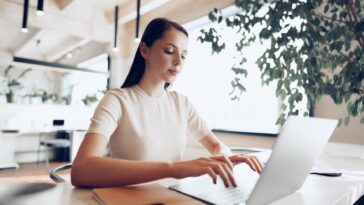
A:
144, 50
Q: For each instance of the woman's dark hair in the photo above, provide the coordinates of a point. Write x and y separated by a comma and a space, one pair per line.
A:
153, 32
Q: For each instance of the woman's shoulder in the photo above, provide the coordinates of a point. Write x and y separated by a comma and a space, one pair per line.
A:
120, 93
177, 96
116, 91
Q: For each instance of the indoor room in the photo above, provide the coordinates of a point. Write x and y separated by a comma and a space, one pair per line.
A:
181, 102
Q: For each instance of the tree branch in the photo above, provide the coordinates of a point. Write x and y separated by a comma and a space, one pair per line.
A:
328, 18
353, 21
339, 52
359, 92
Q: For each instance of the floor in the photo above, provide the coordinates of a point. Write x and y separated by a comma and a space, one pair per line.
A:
29, 173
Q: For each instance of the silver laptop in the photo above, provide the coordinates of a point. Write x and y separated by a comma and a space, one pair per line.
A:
296, 150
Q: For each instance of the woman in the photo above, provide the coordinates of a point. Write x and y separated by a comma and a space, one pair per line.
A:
146, 126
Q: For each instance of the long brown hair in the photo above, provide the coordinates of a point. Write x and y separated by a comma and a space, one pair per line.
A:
154, 31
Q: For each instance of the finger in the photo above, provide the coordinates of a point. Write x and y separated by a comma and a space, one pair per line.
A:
229, 174
261, 164
237, 159
220, 171
228, 168
212, 174
256, 163
226, 160
248, 161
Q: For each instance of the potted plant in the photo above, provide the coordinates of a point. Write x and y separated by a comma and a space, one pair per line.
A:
12, 85
327, 60
67, 99
89, 99
46, 97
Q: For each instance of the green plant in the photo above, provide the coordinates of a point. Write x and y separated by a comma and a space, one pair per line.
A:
323, 54
48, 96
67, 99
44, 95
11, 84
89, 99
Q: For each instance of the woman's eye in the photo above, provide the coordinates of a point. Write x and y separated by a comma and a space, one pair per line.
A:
169, 51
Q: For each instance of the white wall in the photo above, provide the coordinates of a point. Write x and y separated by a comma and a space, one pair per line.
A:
353, 133
34, 80
31, 120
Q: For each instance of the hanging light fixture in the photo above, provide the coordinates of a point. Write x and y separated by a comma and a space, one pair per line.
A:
137, 39
69, 55
40, 8
24, 28
116, 29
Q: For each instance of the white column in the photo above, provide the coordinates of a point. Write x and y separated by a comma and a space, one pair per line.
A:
118, 71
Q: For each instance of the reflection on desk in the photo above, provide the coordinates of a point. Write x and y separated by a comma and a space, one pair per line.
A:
18, 194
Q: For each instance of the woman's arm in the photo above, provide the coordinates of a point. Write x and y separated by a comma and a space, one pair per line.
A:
216, 147
91, 169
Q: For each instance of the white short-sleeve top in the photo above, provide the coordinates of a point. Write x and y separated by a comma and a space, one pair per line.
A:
141, 127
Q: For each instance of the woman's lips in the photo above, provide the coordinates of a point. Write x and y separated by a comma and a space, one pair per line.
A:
173, 72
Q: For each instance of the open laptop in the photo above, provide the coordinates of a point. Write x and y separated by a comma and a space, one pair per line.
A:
296, 150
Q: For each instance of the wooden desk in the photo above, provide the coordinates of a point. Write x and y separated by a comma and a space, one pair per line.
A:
318, 190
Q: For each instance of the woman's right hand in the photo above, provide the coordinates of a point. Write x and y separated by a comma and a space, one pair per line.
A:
213, 166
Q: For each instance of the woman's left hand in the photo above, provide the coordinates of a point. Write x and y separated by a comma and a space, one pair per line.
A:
253, 162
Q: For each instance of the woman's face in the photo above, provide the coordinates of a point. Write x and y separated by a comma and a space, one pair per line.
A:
165, 58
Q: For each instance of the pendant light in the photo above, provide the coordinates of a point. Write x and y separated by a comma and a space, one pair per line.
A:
24, 28
40, 8
115, 48
137, 39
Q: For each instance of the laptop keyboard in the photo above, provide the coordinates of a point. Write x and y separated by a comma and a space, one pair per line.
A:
227, 195
203, 188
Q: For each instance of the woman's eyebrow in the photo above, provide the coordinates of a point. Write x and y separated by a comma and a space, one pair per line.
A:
174, 46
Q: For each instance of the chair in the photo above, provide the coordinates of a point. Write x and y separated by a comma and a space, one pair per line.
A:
55, 176
52, 143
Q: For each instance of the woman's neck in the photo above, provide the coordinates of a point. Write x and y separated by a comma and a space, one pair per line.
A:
151, 87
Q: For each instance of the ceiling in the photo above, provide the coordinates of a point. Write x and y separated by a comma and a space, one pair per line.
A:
67, 26
84, 28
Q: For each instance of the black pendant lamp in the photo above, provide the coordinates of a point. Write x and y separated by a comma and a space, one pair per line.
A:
40, 8
115, 47
137, 39
24, 28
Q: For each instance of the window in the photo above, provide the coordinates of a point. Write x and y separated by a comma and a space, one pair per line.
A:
98, 63
206, 80
81, 84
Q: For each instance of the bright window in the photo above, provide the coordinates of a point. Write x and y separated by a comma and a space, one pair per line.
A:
81, 84
206, 80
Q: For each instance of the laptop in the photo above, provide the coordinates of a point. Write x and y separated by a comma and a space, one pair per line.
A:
296, 150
